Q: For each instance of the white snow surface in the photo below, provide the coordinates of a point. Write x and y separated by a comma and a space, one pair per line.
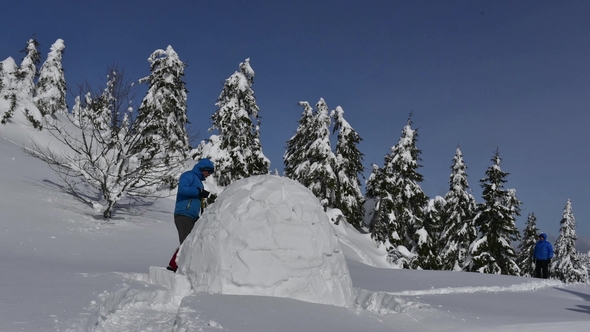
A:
267, 235
66, 269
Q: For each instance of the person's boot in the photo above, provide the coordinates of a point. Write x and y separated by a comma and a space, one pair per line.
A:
172, 264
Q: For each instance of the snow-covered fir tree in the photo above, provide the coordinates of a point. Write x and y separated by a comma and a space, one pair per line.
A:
385, 226
376, 196
526, 248
458, 228
295, 158
566, 265
348, 166
21, 84
434, 214
316, 159
50, 91
237, 123
162, 115
8, 69
2, 77
585, 259
400, 215
321, 179
27, 71
492, 251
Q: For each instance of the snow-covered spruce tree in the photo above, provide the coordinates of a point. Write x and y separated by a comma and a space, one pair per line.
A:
23, 85
27, 72
295, 158
162, 115
585, 260
237, 123
401, 206
313, 165
412, 202
50, 91
526, 248
2, 77
8, 69
321, 178
4, 83
377, 196
382, 189
566, 265
433, 224
348, 166
492, 250
458, 228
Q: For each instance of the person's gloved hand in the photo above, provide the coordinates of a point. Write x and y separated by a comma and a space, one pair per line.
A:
204, 193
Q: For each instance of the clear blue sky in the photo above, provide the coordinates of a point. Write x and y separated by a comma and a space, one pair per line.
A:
485, 75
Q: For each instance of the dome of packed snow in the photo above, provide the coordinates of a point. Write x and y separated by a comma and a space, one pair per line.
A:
267, 235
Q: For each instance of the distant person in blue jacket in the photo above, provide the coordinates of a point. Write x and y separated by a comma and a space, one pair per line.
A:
189, 200
543, 254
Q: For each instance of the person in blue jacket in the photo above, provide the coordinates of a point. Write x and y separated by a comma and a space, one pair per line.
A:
543, 254
189, 200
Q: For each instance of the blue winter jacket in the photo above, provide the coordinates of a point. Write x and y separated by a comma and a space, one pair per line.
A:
190, 185
543, 249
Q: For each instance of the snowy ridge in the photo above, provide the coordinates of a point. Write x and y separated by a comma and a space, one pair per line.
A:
357, 246
527, 287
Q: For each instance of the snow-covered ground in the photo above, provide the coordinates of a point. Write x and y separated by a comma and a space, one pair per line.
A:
65, 269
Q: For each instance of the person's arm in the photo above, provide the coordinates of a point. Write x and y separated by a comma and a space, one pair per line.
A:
188, 185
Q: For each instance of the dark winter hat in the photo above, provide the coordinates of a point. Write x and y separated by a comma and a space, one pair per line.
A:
206, 165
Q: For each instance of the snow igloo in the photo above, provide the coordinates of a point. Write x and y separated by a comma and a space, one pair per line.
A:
267, 235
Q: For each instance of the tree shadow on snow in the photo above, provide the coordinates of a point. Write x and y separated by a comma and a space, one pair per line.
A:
580, 308
127, 206
67, 190
583, 296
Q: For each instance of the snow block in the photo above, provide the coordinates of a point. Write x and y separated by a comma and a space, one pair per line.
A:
267, 235
383, 303
161, 276
178, 283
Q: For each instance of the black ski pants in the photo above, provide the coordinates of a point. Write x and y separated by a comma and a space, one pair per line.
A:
184, 225
542, 269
